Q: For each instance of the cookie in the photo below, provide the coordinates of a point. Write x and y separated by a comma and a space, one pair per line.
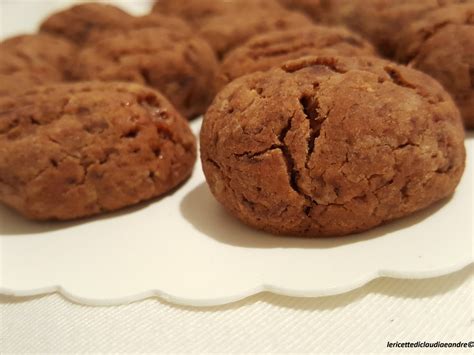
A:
313, 8
442, 45
160, 21
20, 81
182, 66
326, 146
380, 21
265, 51
30, 60
197, 11
88, 22
229, 31
80, 149
172, 23
78, 22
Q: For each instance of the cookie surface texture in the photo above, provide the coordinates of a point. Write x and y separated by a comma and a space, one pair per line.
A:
326, 146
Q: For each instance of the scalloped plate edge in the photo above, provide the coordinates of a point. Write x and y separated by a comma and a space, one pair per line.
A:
183, 301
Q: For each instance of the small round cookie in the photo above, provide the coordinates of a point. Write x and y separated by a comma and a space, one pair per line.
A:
380, 21
78, 22
229, 31
442, 45
270, 49
182, 66
313, 8
147, 21
76, 150
87, 22
197, 11
326, 146
160, 21
29, 60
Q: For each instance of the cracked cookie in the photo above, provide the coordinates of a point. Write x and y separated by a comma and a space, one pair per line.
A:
229, 31
30, 60
85, 22
265, 51
197, 11
180, 65
326, 146
74, 150
441, 44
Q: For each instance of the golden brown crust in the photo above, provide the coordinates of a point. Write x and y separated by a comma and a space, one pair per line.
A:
442, 45
329, 146
74, 150
267, 50
182, 66
229, 31
30, 60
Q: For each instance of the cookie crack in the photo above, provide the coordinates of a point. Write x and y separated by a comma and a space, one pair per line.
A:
311, 109
327, 62
397, 78
267, 52
56, 163
425, 36
250, 155
214, 163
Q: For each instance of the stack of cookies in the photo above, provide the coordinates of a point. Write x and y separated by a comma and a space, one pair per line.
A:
321, 117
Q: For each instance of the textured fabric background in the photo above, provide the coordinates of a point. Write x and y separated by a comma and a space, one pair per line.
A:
361, 321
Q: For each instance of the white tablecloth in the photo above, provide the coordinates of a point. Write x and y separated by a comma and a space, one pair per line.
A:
361, 321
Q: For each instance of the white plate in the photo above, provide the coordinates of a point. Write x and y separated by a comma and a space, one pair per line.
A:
186, 249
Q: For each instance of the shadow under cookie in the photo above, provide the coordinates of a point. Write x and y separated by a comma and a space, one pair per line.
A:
201, 209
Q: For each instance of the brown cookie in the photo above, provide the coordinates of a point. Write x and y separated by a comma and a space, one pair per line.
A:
78, 22
155, 20
182, 66
75, 150
380, 21
30, 60
87, 22
197, 11
328, 146
442, 45
270, 49
313, 8
229, 31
